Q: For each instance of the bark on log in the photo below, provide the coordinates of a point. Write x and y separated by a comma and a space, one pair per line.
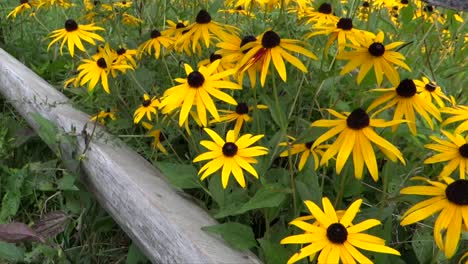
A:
164, 224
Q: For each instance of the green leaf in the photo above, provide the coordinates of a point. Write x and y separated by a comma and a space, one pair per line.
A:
10, 252
267, 196
422, 244
307, 184
183, 176
135, 256
12, 198
47, 131
237, 235
274, 253
67, 182
276, 110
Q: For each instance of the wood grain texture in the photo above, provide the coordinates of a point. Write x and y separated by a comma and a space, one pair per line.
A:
164, 223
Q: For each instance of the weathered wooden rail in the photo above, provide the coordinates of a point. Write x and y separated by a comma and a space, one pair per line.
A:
164, 224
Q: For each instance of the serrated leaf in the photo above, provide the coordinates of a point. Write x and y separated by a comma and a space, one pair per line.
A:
18, 232
11, 199
307, 184
267, 196
10, 252
274, 253
422, 244
183, 176
47, 131
237, 235
67, 183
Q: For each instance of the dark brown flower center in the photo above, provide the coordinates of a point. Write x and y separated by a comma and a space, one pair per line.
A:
345, 23
325, 8
270, 40
376, 49
195, 79
162, 137
124, 2
121, 51
214, 57
358, 119
146, 102
406, 88
430, 87
180, 25
457, 192
246, 40
365, 4
428, 9
229, 149
24, 1
155, 33
102, 63
405, 2
71, 25
309, 144
96, 3
203, 17
337, 233
463, 150
242, 109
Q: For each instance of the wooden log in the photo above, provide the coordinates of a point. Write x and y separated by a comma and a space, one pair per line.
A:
160, 220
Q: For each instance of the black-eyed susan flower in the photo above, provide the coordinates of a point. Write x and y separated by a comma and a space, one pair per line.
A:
123, 4
356, 134
406, 101
204, 30
147, 107
323, 15
157, 135
459, 113
23, 6
336, 238
306, 150
270, 47
233, 155
430, 90
448, 196
125, 56
130, 20
454, 151
103, 115
223, 65
197, 90
373, 53
98, 68
175, 32
343, 31
240, 115
155, 42
73, 34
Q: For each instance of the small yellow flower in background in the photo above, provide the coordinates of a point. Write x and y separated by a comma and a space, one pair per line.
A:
125, 56
306, 150
175, 32
130, 20
270, 47
430, 90
323, 15
123, 4
99, 67
204, 30
355, 136
459, 113
73, 34
155, 42
373, 53
147, 107
240, 115
454, 151
238, 10
343, 31
407, 100
196, 90
223, 65
233, 155
103, 115
364, 10
451, 198
336, 237
428, 13
157, 136
23, 6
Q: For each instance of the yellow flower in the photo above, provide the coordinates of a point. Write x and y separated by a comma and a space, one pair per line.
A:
430, 90
130, 20
323, 15
197, 90
270, 47
147, 107
155, 42
73, 34
459, 113
454, 151
233, 155
306, 150
407, 100
204, 29
240, 115
98, 68
123, 4
355, 135
157, 136
175, 31
24, 5
125, 56
451, 198
373, 53
336, 237
103, 115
